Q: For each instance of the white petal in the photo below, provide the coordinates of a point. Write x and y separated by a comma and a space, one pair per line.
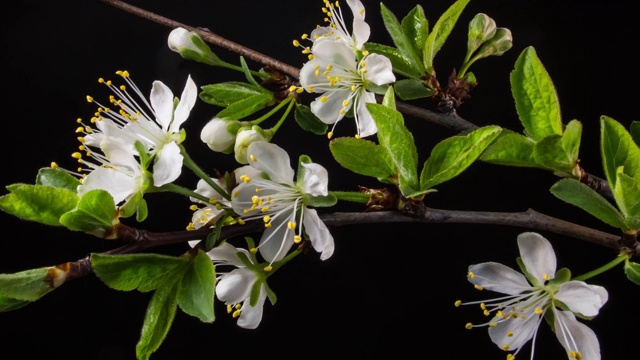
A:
168, 165
162, 104
250, 316
217, 137
514, 332
316, 180
574, 335
120, 154
271, 159
319, 234
361, 33
227, 254
336, 53
498, 277
187, 101
582, 298
537, 255
379, 69
366, 124
328, 111
276, 240
119, 185
235, 286
308, 75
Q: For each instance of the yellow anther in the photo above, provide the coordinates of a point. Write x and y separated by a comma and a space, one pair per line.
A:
265, 208
342, 112
100, 80
478, 287
538, 311
213, 201
458, 303
76, 155
546, 277
310, 57
268, 225
191, 227
296, 43
266, 218
357, 136
471, 275
304, 36
218, 207
79, 120
258, 190
299, 90
79, 129
237, 306
486, 313
505, 347
81, 139
236, 194
229, 309
245, 211
193, 207
483, 306
268, 268
493, 324
297, 239
345, 103
511, 357
317, 72
292, 88
240, 221
468, 326
253, 158
89, 98
109, 83
54, 165
253, 250
291, 225
236, 314
329, 134
509, 333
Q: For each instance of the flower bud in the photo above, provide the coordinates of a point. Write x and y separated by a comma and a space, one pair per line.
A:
245, 137
220, 135
191, 46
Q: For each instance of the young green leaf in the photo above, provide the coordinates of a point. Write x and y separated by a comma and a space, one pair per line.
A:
94, 214
43, 204
576, 193
634, 131
57, 178
411, 89
28, 285
197, 288
308, 121
617, 149
632, 270
227, 93
9, 304
142, 272
452, 156
626, 193
440, 33
416, 27
246, 106
158, 319
401, 40
535, 96
363, 157
396, 138
511, 149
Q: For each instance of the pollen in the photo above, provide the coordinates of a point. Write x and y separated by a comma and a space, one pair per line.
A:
291, 225
509, 333
458, 303
330, 134
468, 326
193, 207
296, 43
54, 165
505, 347
478, 287
253, 158
241, 222
89, 98
297, 239
253, 250
268, 268
538, 311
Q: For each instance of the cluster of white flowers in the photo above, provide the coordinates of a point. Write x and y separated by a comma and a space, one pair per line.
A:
339, 70
129, 133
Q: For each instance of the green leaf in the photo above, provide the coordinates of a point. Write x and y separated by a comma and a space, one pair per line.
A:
197, 289
634, 131
246, 106
94, 214
560, 153
158, 319
401, 40
308, 121
363, 157
411, 89
617, 149
57, 178
227, 93
142, 272
535, 96
511, 149
28, 285
322, 201
39, 203
576, 193
626, 193
247, 72
416, 28
452, 156
440, 33
389, 99
400, 63
9, 304
632, 270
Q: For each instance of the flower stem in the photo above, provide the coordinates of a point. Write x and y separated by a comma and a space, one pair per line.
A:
274, 110
620, 258
188, 162
356, 197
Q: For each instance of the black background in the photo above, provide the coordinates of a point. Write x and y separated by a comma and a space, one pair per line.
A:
389, 288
